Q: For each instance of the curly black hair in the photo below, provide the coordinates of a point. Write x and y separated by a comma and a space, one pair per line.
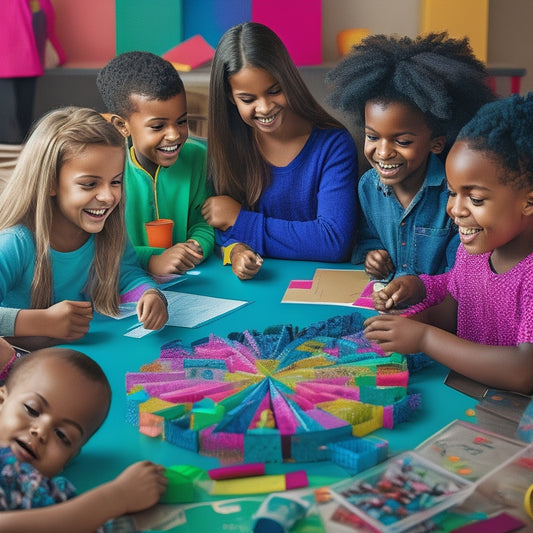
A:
141, 73
435, 74
504, 130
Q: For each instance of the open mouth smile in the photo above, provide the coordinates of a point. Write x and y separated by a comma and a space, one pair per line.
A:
266, 120
385, 166
98, 213
169, 149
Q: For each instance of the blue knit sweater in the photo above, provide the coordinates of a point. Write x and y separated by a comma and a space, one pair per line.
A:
309, 210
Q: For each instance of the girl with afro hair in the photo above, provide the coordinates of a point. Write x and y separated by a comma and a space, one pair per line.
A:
477, 318
412, 96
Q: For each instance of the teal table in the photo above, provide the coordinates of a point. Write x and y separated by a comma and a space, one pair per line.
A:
117, 444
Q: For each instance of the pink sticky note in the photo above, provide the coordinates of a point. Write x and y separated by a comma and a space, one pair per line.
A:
301, 284
193, 52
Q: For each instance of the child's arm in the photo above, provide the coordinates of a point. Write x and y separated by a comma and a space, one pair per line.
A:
221, 212
378, 264
152, 309
399, 293
67, 320
504, 367
178, 259
245, 263
136, 488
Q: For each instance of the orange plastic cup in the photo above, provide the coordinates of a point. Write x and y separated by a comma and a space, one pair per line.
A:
159, 233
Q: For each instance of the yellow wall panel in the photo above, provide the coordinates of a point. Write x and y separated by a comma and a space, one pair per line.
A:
460, 18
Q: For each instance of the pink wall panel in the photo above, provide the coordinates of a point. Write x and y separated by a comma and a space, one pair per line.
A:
86, 31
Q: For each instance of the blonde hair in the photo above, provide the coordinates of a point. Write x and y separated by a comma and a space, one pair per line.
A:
58, 137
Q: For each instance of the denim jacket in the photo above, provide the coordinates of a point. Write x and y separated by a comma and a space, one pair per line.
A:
421, 239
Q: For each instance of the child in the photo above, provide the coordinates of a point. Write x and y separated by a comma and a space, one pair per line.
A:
284, 171
477, 318
63, 247
52, 402
413, 96
165, 171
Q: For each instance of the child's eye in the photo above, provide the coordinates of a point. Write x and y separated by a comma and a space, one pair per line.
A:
476, 201
371, 138
156, 127
451, 194
404, 143
31, 411
246, 100
88, 184
277, 90
183, 122
63, 437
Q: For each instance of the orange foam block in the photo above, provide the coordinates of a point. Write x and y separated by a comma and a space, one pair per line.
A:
190, 54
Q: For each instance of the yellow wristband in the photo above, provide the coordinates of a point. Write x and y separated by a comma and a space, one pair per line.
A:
528, 497
226, 253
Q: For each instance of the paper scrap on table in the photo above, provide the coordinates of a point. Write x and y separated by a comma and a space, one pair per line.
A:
137, 332
351, 288
191, 310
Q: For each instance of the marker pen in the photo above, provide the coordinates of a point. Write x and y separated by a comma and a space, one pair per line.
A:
243, 470
259, 484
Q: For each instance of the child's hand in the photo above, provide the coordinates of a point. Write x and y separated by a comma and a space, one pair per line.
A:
245, 263
152, 310
395, 333
139, 486
378, 264
68, 320
221, 212
177, 259
399, 293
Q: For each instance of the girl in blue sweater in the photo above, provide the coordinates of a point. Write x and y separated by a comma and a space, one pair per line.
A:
284, 171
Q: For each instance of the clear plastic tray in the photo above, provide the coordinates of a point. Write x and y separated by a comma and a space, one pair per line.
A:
401, 492
468, 450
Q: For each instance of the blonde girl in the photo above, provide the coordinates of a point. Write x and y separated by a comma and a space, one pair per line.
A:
63, 248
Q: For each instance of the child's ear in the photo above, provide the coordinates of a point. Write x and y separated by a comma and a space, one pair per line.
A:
438, 144
528, 207
3, 395
120, 124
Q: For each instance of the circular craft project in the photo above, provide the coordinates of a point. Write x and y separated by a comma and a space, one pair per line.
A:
284, 394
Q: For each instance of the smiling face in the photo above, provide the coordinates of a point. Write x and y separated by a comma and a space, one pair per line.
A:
89, 188
260, 100
46, 415
398, 143
158, 130
491, 215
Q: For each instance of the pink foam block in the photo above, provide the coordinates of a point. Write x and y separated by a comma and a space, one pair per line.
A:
243, 470
139, 378
296, 480
195, 393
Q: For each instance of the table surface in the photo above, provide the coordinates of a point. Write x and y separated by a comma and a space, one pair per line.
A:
117, 444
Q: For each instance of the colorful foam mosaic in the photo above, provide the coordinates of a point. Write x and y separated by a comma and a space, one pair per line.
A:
284, 394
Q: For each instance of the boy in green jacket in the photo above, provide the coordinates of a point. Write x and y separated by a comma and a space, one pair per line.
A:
165, 172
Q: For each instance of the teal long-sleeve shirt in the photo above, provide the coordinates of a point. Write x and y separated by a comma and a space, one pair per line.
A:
176, 192
70, 271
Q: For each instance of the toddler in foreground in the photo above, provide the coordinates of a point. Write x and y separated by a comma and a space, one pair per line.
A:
52, 402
